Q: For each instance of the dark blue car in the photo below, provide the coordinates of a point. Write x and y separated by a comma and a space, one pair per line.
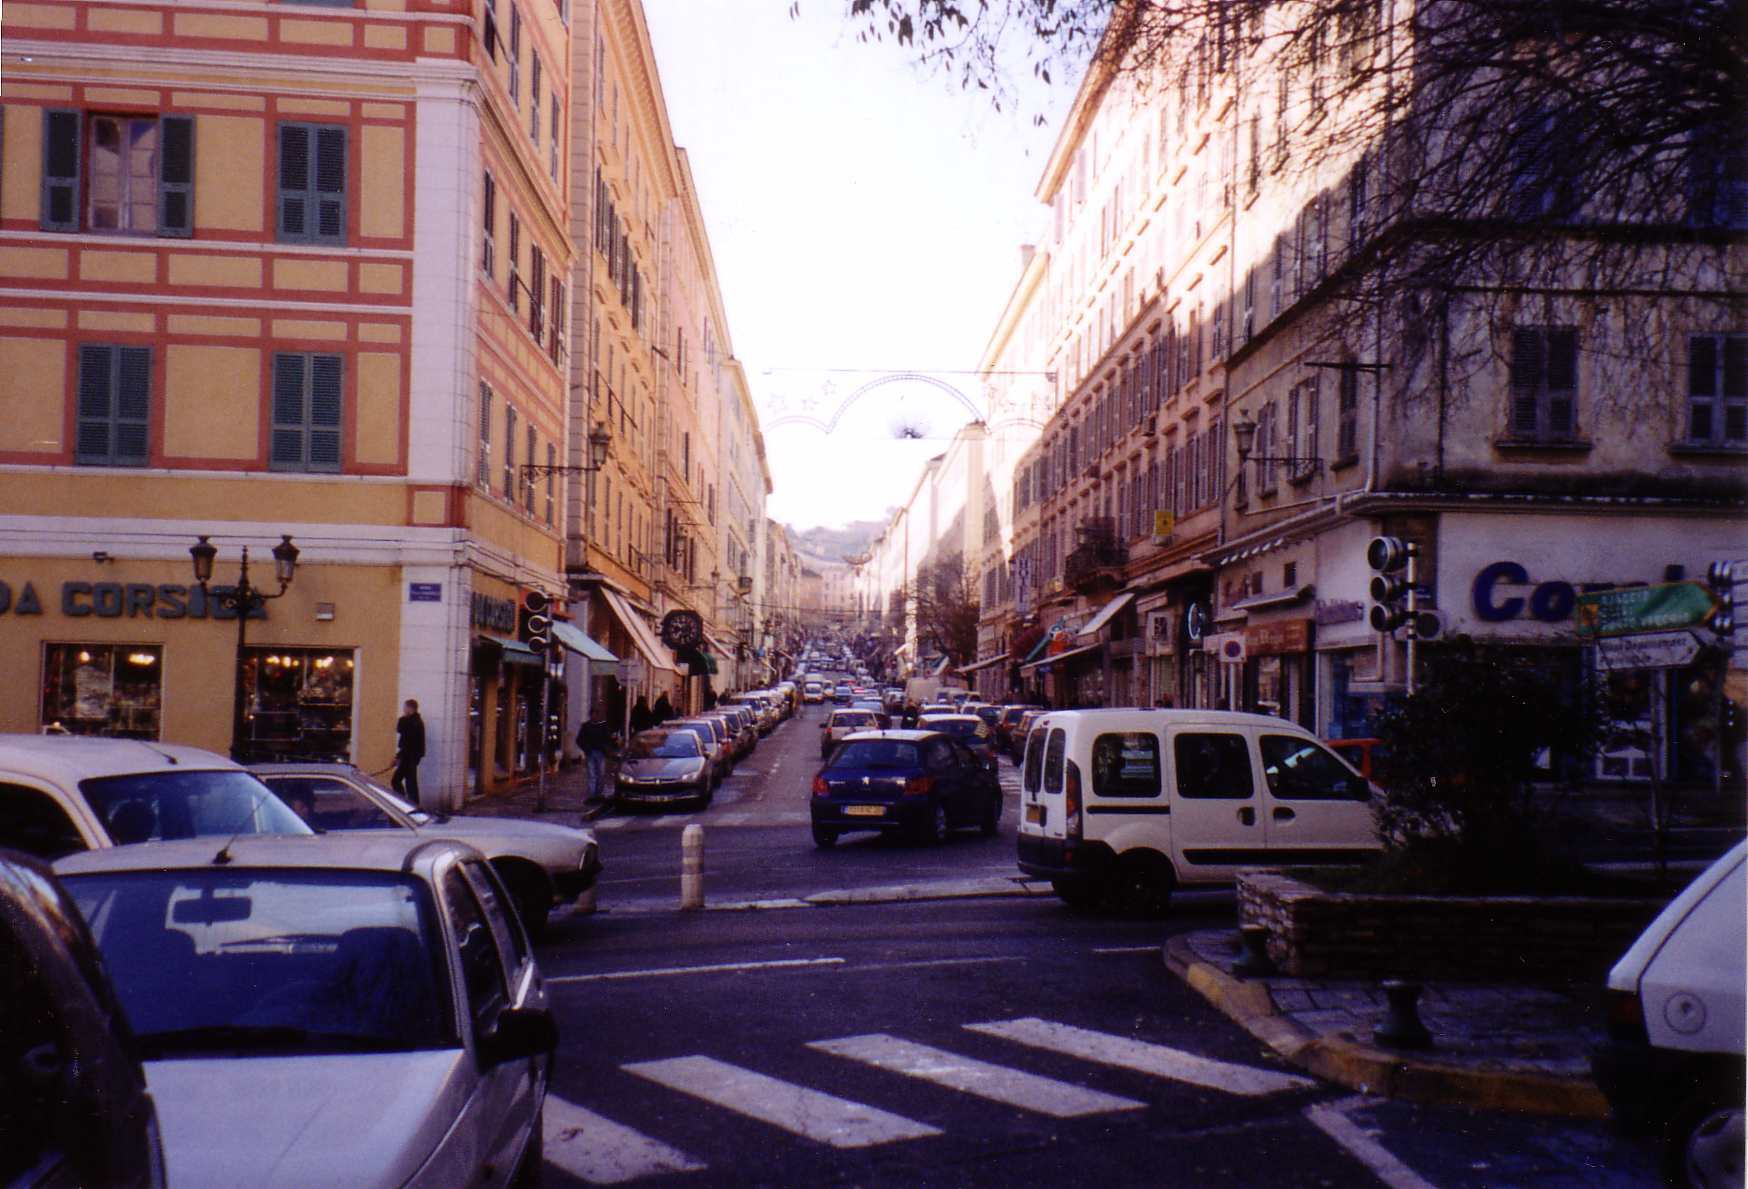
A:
920, 783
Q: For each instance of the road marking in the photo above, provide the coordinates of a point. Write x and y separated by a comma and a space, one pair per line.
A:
796, 1109
734, 819
1331, 1119
1014, 1087
1126, 949
603, 1152
719, 968
923, 963
1143, 1057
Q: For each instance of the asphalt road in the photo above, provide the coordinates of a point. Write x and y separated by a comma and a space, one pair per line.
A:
944, 1042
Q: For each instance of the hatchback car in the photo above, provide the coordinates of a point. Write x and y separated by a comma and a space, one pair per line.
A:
544, 864
968, 729
715, 739
841, 724
921, 783
662, 766
60, 794
1021, 729
1005, 722
352, 1010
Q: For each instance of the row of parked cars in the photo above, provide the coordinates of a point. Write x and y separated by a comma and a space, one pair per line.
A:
280, 976
684, 761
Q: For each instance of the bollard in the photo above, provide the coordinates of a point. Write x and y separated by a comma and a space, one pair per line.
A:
692, 867
1401, 1027
1254, 962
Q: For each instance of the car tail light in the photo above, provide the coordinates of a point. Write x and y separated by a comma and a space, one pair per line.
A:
1071, 801
820, 787
919, 786
1625, 1016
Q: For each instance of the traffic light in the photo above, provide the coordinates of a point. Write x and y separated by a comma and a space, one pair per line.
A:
534, 623
1388, 556
1721, 577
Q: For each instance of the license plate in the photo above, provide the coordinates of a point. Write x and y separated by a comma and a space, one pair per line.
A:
865, 810
1035, 814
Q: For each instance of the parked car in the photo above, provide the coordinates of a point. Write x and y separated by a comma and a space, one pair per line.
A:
358, 1010
1004, 724
662, 766
65, 793
987, 711
544, 864
1021, 730
1120, 807
1672, 1065
715, 742
968, 729
743, 733
1362, 754
813, 693
841, 724
874, 706
74, 1106
922, 783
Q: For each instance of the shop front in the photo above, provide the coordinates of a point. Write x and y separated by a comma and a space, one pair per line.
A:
506, 690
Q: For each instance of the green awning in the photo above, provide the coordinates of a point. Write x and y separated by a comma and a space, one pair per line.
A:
581, 643
518, 653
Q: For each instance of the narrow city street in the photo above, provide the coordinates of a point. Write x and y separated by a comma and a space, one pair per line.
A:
955, 1041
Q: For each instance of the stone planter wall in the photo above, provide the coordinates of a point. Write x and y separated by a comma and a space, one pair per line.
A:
1318, 934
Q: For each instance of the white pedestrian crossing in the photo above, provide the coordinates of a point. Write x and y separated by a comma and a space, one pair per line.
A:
998, 1083
1141, 1056
823, 1118
603, 1152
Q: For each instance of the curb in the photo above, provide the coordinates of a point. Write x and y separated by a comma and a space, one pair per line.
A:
971, 889
1378, 1071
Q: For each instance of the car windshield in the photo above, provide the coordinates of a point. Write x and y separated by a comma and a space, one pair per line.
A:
148, 806
256, 963
663, 745
877, 753
963, 728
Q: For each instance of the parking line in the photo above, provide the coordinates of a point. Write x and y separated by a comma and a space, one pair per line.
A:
1329, 1118
719, 968
998, 1083
798, 1110
1122, 1052
603, 1152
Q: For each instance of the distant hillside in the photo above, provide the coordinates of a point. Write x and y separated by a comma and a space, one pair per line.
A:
834, 544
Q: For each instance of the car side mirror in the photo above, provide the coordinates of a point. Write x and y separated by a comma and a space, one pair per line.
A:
520, 1032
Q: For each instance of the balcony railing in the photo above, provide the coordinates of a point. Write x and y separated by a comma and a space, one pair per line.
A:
1099, 557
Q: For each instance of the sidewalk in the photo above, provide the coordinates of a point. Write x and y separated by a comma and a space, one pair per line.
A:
1511, 1048
566, 800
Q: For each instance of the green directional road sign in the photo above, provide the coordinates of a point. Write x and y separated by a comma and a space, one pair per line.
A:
1628, 610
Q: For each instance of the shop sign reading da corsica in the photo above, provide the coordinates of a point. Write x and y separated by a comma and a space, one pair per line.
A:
126, 600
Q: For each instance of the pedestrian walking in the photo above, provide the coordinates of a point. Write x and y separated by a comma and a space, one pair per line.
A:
596, 740
642, 717
663, 709
409, 750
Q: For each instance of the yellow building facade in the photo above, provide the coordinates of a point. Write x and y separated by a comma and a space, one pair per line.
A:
294, 271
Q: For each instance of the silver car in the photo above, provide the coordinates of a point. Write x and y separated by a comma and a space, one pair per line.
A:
361, 1010
544, 864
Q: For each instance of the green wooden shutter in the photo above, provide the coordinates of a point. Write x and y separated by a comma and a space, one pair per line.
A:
114, 409
133, 407
94, 439
1562, 382
62, 135
312, 183
294, 182
330, 185
326, 386
176, 176
1527, 369
289, 417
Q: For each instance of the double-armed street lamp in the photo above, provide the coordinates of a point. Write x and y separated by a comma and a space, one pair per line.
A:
244, 598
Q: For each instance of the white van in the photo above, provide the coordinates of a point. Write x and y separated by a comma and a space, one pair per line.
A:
1122, 806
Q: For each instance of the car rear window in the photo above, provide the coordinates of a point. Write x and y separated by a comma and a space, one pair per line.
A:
1053, 760
877, 753
1034, 760
1126, 764
1213, 765
852, 718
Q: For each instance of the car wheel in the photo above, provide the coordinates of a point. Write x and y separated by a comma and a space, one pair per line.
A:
532, 1168
825, 837
1142, 884
1704, 1147
991, 816
1079, 895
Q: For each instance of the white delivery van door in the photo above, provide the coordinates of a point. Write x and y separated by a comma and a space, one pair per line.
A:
1318, 810
1216, 826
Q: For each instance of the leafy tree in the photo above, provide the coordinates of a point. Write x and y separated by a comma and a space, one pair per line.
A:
1463, 753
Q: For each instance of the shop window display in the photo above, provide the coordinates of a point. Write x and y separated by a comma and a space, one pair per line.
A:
103, 689
299, 702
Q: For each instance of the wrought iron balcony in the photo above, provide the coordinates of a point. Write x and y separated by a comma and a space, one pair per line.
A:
1099, 558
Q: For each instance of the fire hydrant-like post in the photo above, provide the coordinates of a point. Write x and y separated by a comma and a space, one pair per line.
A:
692, 867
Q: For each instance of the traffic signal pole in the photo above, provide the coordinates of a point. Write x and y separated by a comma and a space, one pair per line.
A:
1413, 612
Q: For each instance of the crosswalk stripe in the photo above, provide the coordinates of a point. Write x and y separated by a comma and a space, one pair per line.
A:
796, 1109
609, 823
1142, 1057
603, 1152
1014, 1087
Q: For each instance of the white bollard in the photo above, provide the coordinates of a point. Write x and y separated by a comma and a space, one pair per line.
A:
692, 867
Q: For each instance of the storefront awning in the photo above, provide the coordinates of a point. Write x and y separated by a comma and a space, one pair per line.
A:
655, 653
580, 642
1106, 613
518, 653
978, 666
1061, 656
941, 666
1280, 598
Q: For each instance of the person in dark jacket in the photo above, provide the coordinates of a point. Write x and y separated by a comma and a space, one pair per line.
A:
596, 739
642, 717
409, 750
664, 709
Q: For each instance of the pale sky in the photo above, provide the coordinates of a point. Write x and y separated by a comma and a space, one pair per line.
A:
864, 215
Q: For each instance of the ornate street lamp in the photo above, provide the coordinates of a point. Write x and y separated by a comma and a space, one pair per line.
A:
244, 598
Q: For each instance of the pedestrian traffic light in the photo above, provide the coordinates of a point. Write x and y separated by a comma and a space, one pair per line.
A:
534, 626
1387, 557
1721, 577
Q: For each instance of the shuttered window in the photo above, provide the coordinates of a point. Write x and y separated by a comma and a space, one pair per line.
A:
307, 391
312, 184
509, 452
1717, 389
1544, 383
133, 176
489, 226
115, 389
482, 474
1347, 424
